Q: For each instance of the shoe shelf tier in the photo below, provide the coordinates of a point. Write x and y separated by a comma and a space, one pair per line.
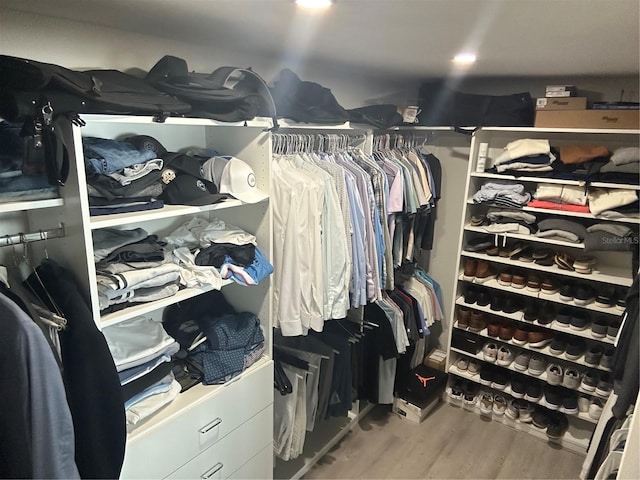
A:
507, 391
552, 297
554, 326
559, 181
604, 273
543, 377
528, 238
574, 439
563, 213
546, 351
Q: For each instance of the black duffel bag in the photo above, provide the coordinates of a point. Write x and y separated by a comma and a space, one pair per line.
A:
26, 86
442, 106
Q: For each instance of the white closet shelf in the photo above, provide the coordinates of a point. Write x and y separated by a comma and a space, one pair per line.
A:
554, 297
606, 274
536, 130
313, 126
30, 205
143, 308
196, 394
563, 213
511, 367
546, 351
263, 122
528, 238
559, 181
553, 326
476, 379
168, 211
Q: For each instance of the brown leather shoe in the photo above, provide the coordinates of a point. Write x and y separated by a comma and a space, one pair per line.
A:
520, 336
477, 321
493, 329
463, 315
539, 339
518, 280
484, 271
470, 268
505, 278
506, 332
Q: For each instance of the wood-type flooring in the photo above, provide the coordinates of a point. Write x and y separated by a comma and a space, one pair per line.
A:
451, 443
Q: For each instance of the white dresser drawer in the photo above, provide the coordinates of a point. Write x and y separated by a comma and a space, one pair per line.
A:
232, 452
259, 467
194, 421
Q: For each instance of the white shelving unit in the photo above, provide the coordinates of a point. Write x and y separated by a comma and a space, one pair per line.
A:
612, 270
177, 440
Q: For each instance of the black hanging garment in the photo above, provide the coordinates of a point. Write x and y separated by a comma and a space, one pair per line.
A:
92, 382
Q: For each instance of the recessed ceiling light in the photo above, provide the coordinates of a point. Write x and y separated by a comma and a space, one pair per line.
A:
464, 58
317, 4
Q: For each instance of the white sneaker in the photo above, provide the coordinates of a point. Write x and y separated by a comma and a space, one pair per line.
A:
490, 352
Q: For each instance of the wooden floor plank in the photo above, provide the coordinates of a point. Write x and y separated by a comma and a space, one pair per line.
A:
451, 443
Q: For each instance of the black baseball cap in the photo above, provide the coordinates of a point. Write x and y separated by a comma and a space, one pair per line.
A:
189, 190
182, 163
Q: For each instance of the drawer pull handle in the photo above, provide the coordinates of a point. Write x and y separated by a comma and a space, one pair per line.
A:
210, 426
212, 471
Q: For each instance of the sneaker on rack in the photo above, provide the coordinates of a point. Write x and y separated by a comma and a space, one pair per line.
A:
512, 411
490, 352
518, 387
558, 426
462, 364
504, 356
593, 355
534, 391
554, 374
474, 366
552, 397
607, 358
499, 405
557, 345
569, 403
525, 412
595, 408
522, 361
486, 403
589, 381
599, 327
571, 378
487, 373
541, 418
537, 365
500, 379
604, 385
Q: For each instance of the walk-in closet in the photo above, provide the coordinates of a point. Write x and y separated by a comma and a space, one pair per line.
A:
298, 239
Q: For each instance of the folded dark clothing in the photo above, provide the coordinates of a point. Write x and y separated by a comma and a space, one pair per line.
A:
126, 208
110, 188
146, 250
145, 381
215, 254
105, 202
633, 207
617, 177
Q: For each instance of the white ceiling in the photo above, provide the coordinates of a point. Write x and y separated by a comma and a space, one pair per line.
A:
411, 38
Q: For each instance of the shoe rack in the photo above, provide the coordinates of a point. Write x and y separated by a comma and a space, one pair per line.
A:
523, 296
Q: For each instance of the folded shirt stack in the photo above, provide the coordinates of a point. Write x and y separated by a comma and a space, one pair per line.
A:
610, 237
561, 229
123, 176
506, 194
525, 155
614, 203
141, 351
622, 167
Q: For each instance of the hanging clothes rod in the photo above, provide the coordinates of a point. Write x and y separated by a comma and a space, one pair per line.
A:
38, 236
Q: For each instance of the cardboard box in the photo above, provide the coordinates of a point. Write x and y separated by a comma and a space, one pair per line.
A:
567, 103
616, 119
436, 359
413, 412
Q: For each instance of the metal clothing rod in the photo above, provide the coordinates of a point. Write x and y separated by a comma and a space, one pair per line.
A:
38, 236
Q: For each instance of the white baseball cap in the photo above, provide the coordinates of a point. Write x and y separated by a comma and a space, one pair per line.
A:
234, 177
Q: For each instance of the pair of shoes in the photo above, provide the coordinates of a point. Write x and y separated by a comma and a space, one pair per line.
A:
477, 321
584, 264
600, 384
478, 271
519, 409
486, 403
